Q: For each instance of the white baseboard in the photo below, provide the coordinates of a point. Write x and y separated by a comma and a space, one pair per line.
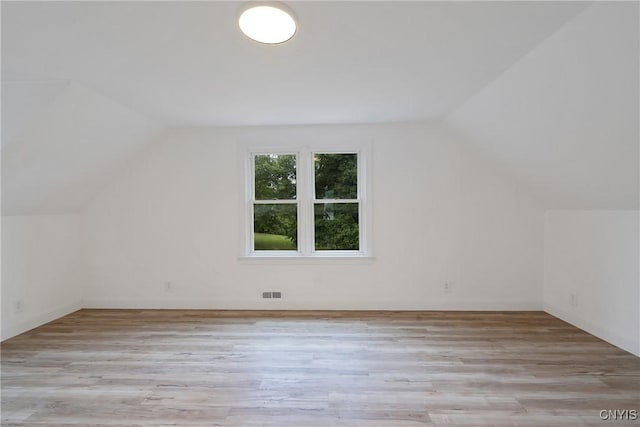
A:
610, 336
271, 304
36, 320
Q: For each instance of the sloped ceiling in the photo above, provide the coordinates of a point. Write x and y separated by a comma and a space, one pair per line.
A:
25, 104
90, 83
70, 152
565, 118
186, 63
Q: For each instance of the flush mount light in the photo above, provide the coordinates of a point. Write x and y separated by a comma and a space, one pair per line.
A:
269, 23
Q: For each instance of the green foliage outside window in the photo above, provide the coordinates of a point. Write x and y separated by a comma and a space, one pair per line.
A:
275, 177
272, 224
336, 225
336, 176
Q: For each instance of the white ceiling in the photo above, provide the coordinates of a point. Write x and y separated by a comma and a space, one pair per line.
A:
548, 90
25, 104
186, 63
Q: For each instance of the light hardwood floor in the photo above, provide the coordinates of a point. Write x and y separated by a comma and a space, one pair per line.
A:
382, 369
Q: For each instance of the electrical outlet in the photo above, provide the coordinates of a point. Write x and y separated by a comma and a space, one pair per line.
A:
266, 295
448, 287
18, 306
276, 294
573, 299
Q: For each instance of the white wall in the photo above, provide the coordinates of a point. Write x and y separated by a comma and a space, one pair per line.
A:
564, 121
41, 269
594, 255
438, 214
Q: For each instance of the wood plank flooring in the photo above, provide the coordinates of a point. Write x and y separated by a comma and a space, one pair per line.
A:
306, 369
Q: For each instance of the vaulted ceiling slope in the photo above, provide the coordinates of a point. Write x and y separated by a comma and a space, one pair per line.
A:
86, 85
186, 63
58, 163
565, 118
25, 104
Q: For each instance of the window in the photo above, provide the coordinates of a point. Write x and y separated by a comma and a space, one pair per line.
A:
275, 204
306, 203
336, 206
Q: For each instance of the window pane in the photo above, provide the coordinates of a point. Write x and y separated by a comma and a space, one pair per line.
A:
275, 227
336, 226
275, 176
336, 176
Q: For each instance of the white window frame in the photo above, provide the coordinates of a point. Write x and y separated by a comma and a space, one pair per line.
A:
305, 199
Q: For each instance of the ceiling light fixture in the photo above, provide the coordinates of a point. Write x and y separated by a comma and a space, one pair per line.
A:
269, 23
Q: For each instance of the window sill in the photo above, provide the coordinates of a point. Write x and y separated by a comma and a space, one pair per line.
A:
313, 260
